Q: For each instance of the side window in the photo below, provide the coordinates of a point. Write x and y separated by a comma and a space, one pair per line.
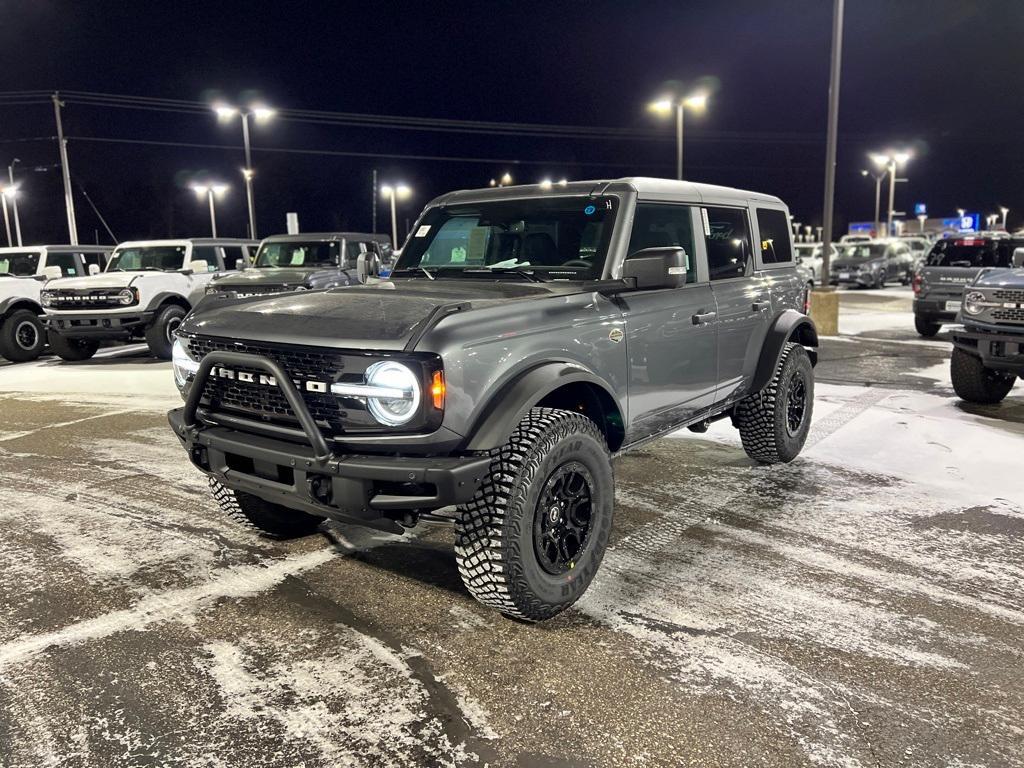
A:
234, 257
66, 262
99, 259
210, 255
727, 235
657, 225
774, 228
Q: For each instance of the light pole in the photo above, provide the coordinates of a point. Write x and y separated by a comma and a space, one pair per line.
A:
7, 192
1002, 209
890, 161
696, 102
210, 191
393, 193
261, 114
878, 177
14, 201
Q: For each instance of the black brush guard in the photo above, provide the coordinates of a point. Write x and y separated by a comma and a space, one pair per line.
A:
313, 478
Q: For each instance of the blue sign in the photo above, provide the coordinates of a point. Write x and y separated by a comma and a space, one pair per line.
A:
920, 209
971, 222
861, 227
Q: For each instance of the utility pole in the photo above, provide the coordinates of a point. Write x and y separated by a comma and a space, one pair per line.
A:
832, 137
374, 230
14, 201
69, 201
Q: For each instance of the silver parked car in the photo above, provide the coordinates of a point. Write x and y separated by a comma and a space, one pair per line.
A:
872, 264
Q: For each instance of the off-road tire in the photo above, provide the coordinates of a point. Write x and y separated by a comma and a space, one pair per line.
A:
72, 349
160, 333
926, 328
975, 383
494, 533
880, 280
763, 418
22, 336
262, 516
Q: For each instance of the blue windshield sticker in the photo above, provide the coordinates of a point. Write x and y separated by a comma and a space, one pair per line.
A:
589, 210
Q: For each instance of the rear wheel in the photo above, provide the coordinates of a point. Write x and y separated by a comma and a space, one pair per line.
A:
774, 422
263, 516
975, 383
73, 349
926, 328
160, 334
531, 540
880, 280
22, 336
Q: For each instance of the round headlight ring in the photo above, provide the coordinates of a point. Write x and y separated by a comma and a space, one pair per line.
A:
126, 296
393, 412
973, 302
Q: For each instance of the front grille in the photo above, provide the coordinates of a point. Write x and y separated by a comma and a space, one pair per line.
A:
1008, 315
266, 402
242, 291
94, 298
1017, 297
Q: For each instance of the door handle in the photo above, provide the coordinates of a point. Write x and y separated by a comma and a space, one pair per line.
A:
702, 318
761, 306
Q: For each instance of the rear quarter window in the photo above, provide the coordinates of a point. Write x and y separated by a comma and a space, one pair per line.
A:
773, 226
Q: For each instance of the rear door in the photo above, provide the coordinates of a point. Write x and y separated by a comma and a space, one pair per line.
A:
670, 333
741, 294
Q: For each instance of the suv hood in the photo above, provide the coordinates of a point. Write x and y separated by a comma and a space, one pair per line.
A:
102, 280
1002, 278
382, 315
274, 276
838, 264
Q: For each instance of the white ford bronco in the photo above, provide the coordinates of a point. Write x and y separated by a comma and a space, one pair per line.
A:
147, 288
23, 271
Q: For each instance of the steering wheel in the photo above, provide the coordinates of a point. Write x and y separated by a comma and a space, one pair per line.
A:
578, 263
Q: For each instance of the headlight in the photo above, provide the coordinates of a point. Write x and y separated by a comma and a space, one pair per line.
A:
126, 296
393, 393
183, 363
974, 303
46, 298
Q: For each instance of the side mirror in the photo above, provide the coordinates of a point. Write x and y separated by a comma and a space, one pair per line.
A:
199, 266
94, 269
654, 268
53, 273
240, 264
1018, 257
367, 266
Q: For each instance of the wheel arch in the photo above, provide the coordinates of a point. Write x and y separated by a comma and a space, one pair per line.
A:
789, 326
162, 300
562, 385
19, 302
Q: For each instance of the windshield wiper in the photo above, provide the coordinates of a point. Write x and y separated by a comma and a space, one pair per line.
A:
533, 277
407, 270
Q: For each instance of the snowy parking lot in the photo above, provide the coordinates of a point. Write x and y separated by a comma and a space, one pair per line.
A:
861, 606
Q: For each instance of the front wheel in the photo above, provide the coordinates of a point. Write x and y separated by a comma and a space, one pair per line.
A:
532, 538
160, 334
975, 383
263, 516
22, 336
774, 422
880, 280
72, 349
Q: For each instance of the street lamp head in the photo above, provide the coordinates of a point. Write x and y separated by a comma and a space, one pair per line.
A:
247, 174
493, 183
219, 189
879, 159
402, 191
697, 102
9, 191
545, 184
563, 182
262, 113
387, 190
506, 178
1004, 210
902, 157
200, 189
225, 111
661, 106
865, 172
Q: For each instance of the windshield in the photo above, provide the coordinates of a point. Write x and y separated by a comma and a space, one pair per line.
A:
19, 264
308, 254
860, 251
972, 252
554, 238
158, 257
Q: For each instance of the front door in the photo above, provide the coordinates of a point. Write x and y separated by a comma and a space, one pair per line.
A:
741, 295
670, 333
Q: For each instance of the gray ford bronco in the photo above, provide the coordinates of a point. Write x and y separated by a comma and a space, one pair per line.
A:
988, 352
525, 337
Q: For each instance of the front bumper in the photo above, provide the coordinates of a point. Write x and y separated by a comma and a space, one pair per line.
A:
998, 350
113, 325
935, 309
362, 489
865, 279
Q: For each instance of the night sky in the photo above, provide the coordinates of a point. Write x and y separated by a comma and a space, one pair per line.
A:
941, 76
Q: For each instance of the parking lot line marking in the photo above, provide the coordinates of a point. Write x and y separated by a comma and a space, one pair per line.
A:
57, 425
236, 582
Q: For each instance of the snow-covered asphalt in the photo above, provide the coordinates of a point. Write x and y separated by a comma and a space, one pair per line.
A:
861, 606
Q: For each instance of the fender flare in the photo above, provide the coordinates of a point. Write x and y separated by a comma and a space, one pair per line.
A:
789, 325
11, 303
162, 297
507, 407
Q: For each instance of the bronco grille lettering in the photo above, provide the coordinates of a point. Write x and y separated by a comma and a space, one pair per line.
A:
265, 380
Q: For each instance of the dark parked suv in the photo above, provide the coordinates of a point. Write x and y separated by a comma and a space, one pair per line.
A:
527, 335
988, 352
951, 264
305, 262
